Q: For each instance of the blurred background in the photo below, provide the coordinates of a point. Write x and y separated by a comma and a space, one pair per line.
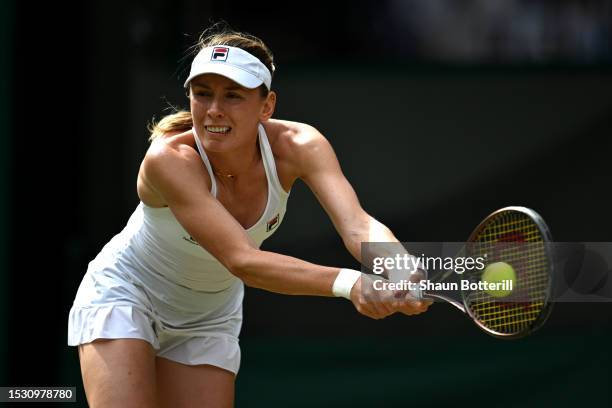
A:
439, 111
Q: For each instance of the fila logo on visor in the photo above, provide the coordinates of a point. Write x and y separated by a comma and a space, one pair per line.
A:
219, 54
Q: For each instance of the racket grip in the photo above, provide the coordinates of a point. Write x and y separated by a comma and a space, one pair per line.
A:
416, 277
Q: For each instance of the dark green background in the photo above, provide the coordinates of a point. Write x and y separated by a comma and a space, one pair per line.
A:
5, 146
430, 149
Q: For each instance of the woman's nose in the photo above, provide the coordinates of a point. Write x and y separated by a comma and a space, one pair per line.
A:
215, 108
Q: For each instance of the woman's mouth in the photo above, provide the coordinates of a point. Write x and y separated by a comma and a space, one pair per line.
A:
218, 129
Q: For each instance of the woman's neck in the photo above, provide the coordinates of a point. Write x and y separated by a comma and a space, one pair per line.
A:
236, 163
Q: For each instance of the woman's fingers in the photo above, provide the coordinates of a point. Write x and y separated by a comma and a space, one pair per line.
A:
410, 306
378, 304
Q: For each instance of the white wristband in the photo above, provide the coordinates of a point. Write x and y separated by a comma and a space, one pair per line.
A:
344, 282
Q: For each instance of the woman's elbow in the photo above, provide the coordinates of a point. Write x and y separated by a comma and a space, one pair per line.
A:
240, 264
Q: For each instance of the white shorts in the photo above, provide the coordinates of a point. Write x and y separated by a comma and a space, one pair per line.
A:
181, 324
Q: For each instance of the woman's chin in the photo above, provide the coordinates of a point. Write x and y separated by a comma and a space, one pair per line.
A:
218, 145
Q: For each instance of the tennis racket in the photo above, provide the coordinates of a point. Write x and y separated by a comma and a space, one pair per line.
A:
517, 236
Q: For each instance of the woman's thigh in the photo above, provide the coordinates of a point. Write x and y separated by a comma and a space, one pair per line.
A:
118, 373
182, 386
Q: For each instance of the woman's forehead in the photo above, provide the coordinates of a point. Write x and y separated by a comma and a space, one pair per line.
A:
215, 80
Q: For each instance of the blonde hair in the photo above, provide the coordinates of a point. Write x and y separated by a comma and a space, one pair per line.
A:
217, 34
179, 121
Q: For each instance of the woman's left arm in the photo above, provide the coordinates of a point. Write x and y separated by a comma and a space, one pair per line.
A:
320, 170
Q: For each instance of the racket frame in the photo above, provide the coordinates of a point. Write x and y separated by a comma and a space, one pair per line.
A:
545, 312
547, 238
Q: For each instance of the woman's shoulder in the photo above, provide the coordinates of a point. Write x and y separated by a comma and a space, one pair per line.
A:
172, 145
170, 154
296, 146
288, 138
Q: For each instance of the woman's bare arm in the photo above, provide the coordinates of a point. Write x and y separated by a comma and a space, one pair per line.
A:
179, 178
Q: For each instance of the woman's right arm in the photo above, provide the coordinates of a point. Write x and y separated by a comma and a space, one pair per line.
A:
177, 175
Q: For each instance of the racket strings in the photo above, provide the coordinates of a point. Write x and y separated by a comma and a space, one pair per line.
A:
511, 237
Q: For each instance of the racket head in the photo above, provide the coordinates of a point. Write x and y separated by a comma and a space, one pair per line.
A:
523, 237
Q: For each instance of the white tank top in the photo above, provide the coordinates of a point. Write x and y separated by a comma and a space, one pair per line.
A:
162, 250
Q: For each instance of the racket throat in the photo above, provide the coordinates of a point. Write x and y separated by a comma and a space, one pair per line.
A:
453, 302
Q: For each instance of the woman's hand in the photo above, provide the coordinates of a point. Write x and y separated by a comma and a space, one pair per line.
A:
408, 305
378, 304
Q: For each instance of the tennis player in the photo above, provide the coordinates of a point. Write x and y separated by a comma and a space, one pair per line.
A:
158, 313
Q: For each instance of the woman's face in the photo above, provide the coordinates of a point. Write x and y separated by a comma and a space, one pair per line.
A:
225, 114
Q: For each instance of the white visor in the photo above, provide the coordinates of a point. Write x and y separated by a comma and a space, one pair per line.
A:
233, 63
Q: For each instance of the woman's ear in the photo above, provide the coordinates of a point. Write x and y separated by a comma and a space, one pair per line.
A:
268, 107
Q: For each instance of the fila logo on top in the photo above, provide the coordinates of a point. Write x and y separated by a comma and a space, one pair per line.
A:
273, 223
219, 54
